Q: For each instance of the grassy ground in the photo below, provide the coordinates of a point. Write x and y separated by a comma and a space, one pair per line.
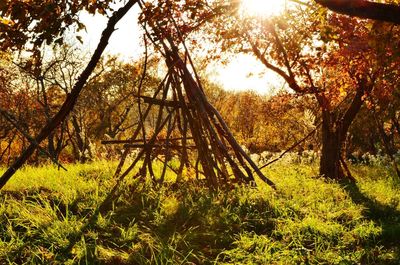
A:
307, 221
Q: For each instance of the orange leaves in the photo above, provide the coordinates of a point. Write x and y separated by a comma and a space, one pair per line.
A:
26, 23
6, 22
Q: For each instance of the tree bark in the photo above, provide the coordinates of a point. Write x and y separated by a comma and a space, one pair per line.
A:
81, 144
364, 9
334, 131
332, 143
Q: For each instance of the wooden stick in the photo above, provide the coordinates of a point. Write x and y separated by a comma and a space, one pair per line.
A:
72, 98
141, 140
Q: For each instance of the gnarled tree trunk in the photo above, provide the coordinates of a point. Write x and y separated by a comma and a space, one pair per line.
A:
334, 131
330, 165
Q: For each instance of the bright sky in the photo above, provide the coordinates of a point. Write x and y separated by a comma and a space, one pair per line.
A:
125, 41
242, 73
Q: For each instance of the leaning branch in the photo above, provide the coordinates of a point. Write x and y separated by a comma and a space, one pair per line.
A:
71, 99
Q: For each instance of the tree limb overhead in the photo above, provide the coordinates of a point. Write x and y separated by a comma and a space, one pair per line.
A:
364, 9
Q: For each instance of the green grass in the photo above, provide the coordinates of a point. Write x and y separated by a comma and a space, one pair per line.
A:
306, 221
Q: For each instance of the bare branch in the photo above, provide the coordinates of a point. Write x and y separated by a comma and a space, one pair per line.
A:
364, 9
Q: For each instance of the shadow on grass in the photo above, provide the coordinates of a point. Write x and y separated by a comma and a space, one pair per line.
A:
22, 235
385, 215
208, 220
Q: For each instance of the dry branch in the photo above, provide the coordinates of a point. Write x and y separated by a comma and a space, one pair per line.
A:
72, 97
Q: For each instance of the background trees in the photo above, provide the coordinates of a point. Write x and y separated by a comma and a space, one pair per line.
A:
106, 109
345, 64
337, 59
23, 21
266, 123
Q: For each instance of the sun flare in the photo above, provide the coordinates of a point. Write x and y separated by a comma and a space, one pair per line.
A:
262, 8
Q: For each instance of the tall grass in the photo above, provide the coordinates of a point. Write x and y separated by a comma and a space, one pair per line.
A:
306, 221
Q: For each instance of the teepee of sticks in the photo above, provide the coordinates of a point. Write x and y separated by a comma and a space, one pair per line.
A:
187, 127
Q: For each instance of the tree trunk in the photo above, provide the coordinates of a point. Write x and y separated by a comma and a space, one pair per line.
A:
51, 146
81, 143
332, 143
334, 131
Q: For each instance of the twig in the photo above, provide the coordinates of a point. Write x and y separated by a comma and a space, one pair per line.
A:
292, 147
